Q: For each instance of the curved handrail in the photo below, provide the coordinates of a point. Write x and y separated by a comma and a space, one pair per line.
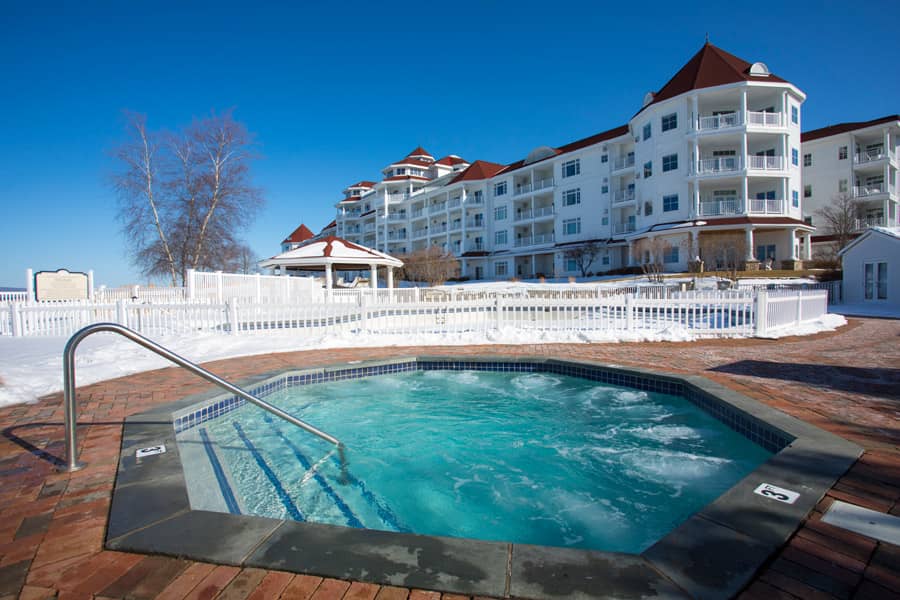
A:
72, 463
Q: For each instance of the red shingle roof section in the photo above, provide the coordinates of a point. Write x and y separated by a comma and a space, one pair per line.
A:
419, 162
362, 184
451, 161
711, 66
824, 132
480, 169
577, 145
406, 177
420, 151
301, 234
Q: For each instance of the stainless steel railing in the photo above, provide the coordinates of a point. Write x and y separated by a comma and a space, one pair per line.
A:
72, 463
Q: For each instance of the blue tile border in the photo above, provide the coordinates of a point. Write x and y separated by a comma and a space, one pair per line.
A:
759, 432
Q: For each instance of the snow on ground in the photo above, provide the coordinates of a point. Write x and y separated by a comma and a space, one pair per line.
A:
32, 367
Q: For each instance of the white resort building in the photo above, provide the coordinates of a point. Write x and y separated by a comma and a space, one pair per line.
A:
857, 161
709, 167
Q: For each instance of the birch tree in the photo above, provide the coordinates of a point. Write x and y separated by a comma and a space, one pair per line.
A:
184, 197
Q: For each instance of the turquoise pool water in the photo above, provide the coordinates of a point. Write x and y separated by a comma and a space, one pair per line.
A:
531, 458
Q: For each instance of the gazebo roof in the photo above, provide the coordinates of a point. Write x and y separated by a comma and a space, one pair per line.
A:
315, 254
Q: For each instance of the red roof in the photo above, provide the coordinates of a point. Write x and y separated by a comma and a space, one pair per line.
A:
362, 184
711, 66
301, 234
331, 225
419, 162
480, 169
711, 221
577, 145
824, 132
451, 160
420, 151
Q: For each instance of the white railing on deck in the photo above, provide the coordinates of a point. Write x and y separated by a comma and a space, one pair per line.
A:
441, 310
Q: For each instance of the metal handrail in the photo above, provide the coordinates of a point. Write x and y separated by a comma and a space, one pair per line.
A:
72, 463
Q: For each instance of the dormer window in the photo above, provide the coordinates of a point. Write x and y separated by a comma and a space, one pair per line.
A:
400, 171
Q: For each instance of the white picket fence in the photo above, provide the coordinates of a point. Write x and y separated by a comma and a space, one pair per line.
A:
720, 313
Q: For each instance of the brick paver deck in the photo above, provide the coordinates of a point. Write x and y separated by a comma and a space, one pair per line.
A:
52, 525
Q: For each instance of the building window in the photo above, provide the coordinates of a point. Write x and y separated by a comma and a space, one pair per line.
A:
604, 221
795, 157
571, 197
670, 203
842, 153
671, 255
499, 213
500, 188
795, 115
807, 191
571, 265
876, 280
604, 189
500, 238
604, 158
648, 168
648, 208
795, 198
647, 131
572, 226
605, 260
570, 168
670, 162
400, 171
807, 160
842, 186
670, 122
500, 269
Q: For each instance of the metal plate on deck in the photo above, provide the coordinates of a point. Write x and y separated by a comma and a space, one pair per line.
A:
863, 521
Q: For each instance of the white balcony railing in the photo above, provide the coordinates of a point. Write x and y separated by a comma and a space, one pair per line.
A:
544, 184
475, 224
620, 228
523, 215
766, 206
397, 235
418, 233
397, 217
455, 226
721, 206
543, 211
864, 191
454, 202
438, 229
623, 162
766, 163
626, 195
722, 121
866, 222
872, 155
534, 240
474, 247
765, 119
718, 165
369, 228
475, 199
437, 208
522, 188
415, 214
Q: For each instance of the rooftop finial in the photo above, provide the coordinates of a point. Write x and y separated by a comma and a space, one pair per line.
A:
707, 37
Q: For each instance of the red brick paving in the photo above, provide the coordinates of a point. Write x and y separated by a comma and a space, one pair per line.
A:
52, 524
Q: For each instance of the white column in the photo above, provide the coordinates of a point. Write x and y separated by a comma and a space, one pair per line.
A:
90, 283
807, 243
745, 193
695, 245
630, 253
744, 107
329, 278
697, 198
29, 285
465, 216
785, 109
793, 240
749, 242
695, 114
390, 277
374, 277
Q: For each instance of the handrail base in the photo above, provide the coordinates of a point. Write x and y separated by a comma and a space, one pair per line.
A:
67, 468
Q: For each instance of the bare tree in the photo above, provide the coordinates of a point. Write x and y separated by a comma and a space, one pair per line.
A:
840, 218
432, 265
185, 196
724, 254
650, 253
584, 255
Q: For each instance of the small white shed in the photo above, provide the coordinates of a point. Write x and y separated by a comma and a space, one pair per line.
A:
871, 266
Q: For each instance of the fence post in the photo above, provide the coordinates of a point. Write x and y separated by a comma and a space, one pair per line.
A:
233, 324
121, 313
416, 294
762, 311
258, 288
363, 313
189, 283
799, 306
629, 312
498, 307
220, 293
90, 284
14, 323
29, 286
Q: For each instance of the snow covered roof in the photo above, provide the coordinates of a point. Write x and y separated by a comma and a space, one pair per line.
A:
892, 232
337, 252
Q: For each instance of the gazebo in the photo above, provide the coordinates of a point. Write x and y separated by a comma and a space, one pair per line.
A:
333, 253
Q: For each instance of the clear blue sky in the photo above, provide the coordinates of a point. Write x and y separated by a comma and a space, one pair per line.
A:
336, 90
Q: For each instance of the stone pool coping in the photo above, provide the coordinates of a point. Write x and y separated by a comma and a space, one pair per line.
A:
715, 553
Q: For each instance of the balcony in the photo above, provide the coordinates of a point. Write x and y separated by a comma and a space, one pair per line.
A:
475, 224
437, 229
623, 162
865, 223
872, 155
720, 165
544, 184
455, 226
765, 163
529, 188
872, 189
369, 228
397, 235
534, 240
419, 233
721, 206
541, 212
397, 217
621, 228
434, 208
522, 188
475, 247
622, 196
717, 122
773, 120
766, 206
752, 119
453, 203
475, 199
